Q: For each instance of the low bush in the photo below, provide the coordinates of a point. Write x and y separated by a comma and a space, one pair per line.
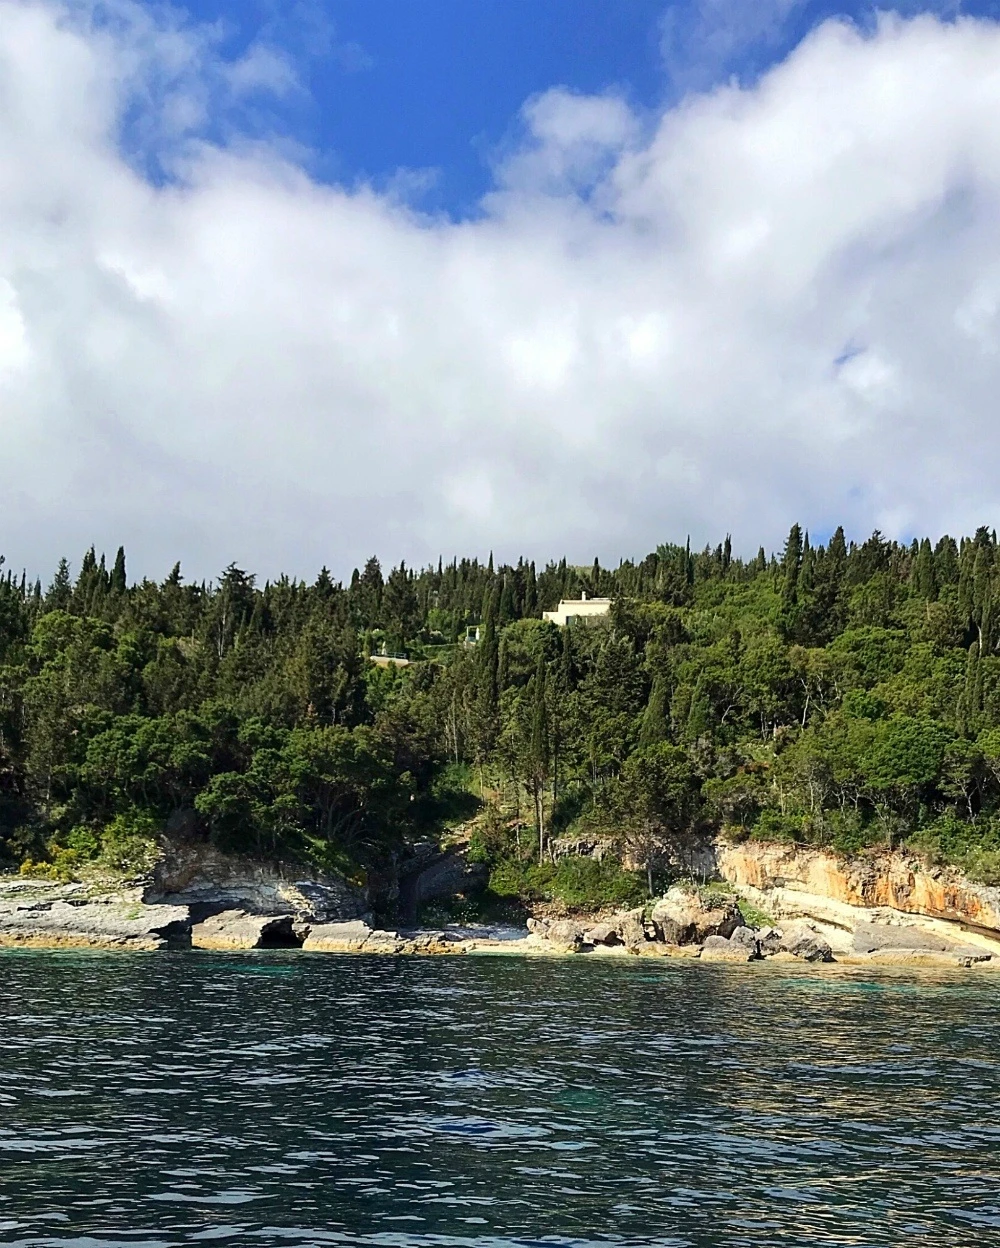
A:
579, 884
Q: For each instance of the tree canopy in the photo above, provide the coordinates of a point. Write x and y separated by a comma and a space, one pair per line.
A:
836, 693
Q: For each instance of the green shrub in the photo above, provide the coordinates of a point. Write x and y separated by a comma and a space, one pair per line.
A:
972, 847
772, 825
578, 883
982, 866
128, 844
846, 832
754, 917
491, 839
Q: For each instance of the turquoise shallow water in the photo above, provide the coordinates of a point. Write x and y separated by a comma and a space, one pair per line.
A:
286, 1099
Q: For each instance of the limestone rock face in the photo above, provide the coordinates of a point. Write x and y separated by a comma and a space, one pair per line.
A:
683, 918
76, 921
235, 929
337, 937
798, 876
800, 940
875, 937
210, 882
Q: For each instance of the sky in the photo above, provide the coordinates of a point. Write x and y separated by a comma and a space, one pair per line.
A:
292, 282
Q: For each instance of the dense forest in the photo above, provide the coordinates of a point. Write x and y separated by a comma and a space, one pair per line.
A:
839, 694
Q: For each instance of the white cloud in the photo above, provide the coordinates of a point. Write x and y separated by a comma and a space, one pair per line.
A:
777, 304
703, 40
262, 68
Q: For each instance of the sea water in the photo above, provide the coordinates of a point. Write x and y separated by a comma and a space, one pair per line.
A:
289, 1099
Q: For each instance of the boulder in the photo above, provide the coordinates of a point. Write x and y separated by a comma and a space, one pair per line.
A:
769, 941
235, 929
605, 933
747, 938
631, 931
722, 949
683, 918
562, 933
621, 929
805, 943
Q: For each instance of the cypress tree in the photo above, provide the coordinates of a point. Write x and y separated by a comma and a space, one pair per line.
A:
487, 678
119, 579
791, 562
924, 577
503, 666
566, 660
654, 718
60, 592
506, 613
530, 593
539, 750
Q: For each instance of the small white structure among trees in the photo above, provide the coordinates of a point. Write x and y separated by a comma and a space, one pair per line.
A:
571, 609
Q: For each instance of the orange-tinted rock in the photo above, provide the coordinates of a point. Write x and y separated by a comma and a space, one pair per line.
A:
899, 881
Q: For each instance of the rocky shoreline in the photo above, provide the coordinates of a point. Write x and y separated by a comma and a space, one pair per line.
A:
684, 923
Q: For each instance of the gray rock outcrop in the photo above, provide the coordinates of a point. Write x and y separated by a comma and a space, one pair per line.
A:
210, 882
73, 920
337, 937
747, 938
875, 937
682, 917
357, 937
235, 929
803, 941
565, 934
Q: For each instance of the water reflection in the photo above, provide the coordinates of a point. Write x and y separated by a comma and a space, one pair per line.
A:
287, 1099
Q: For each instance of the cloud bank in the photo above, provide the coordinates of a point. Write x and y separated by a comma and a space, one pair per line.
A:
769, 304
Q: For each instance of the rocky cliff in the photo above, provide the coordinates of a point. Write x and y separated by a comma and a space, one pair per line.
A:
842, 892
209, 882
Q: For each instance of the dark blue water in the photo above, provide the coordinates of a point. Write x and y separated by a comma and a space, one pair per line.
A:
286, 1099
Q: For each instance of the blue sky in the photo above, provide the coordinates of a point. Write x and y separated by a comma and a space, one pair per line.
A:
289, 283
437, 85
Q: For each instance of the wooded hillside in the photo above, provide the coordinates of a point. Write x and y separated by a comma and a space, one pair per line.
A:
838, 694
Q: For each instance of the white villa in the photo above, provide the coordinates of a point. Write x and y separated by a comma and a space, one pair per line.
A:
583, 608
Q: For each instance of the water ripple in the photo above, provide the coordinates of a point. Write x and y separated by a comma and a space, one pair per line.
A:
146, 1102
